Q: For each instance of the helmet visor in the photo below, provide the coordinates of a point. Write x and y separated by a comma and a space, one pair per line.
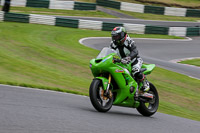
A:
116, 37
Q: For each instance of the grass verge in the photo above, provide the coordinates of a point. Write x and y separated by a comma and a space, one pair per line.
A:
175, 3
50, 57
45, 11
148, 16
155, 36
195, 62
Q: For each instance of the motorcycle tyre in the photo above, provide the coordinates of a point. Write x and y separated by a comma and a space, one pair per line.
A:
93, 93
142, 109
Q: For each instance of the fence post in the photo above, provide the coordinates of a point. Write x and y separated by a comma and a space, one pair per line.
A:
6, 7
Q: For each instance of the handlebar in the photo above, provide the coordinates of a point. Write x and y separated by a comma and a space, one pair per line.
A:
116, 60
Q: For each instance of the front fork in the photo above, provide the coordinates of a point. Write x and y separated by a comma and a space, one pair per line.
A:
108, 86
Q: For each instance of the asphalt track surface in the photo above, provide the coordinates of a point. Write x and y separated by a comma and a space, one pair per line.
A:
160, 52
25, 110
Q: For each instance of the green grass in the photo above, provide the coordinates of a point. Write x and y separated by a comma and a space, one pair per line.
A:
50, 57
45, 11
155, 36
195, 62
179, 94
148, 16
192, 3
59, 12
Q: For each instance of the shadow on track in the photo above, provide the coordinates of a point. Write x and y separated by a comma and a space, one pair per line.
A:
117, 113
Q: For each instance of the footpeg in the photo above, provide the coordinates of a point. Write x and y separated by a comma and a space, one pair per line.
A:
146, 95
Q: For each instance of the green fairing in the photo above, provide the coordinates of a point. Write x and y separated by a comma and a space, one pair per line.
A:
121, 75
104, 81
149, 68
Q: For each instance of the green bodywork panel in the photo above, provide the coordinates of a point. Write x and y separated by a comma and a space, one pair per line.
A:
121, 74
149, 68
104, 81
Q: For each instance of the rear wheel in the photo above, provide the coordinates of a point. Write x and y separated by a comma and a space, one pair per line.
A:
98, 100
150, 107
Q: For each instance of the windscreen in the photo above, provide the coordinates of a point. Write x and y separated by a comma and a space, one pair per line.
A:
105, 51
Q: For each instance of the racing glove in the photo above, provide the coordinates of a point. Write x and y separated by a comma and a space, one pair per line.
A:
126, 60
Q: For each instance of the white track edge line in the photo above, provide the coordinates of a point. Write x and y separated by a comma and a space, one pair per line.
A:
188, 39
38, 89
183, 59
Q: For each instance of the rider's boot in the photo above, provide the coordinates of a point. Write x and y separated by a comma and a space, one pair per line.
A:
146, 87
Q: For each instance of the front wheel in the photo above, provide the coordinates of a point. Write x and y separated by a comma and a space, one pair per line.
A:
98, 100
149, 108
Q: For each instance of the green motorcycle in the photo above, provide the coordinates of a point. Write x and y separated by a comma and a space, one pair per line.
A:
114, 85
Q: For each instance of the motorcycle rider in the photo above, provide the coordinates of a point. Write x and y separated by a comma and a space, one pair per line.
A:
125, 46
